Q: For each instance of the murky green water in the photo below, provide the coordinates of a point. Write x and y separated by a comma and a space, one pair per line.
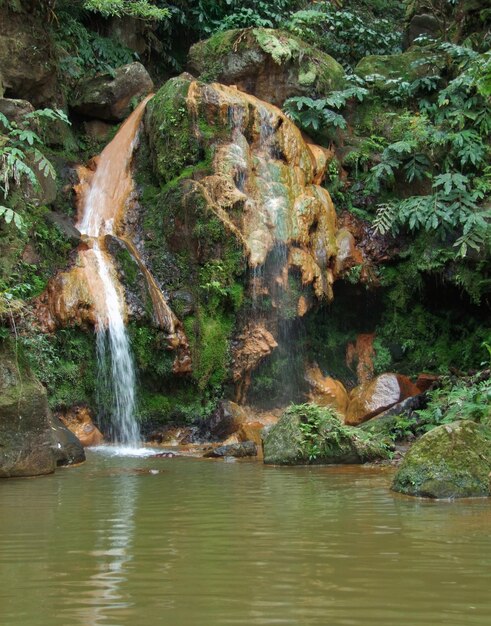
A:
207, 543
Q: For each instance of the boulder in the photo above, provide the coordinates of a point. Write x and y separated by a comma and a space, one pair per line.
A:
225, 421
270, 64
257, 179
109, 97
67, 448
307, 434
15, 110
78, 420
369, 399
32, 442
423, 24
450, 461
28, 64
238, 450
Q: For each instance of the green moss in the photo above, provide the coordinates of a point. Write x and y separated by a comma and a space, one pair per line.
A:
128, 266
65, 363
225, 54
310, 434
451, 461
170, 131
182, 403
209, 343
408, 66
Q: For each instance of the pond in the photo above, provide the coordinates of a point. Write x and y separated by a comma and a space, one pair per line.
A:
189, 542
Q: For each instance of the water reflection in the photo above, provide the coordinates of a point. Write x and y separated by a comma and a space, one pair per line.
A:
211, 544
112, 554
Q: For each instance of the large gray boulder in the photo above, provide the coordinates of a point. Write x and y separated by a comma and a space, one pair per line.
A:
109, 97
270, 64
450, 461
32, 442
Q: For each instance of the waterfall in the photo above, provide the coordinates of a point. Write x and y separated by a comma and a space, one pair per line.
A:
103, 199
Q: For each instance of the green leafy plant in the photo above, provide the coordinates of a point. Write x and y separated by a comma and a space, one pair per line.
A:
20, 156
346, 34
142, 9
318, 113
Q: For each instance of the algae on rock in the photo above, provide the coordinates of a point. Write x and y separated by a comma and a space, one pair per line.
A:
450, 461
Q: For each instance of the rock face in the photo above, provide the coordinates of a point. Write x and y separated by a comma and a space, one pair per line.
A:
253, 345
379, 394
15, 110
309, 434
423, 24
261, 184
326, 391
450, 461
109, 98
28, 67
361, 353
269, 64
32, 442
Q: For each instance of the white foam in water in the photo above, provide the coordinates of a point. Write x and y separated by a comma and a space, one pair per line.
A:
126, 451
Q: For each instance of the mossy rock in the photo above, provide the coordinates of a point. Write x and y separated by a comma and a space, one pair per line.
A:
385, 70
170, 131
32, 442
450, 461
308, 434
270, 64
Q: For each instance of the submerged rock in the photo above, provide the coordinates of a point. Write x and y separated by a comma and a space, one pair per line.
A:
308, 434
270, 64
450, 461
32, 442
109, 97
237, 450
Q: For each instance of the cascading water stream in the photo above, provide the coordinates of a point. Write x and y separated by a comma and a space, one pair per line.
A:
103, 200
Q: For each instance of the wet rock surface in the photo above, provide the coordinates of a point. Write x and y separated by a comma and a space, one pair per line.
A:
79, 421
237, 450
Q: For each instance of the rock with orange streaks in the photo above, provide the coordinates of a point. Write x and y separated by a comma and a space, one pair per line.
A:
263, 181
361, 353
326, 391
379, 394
252, 346
79, 421
348, 255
